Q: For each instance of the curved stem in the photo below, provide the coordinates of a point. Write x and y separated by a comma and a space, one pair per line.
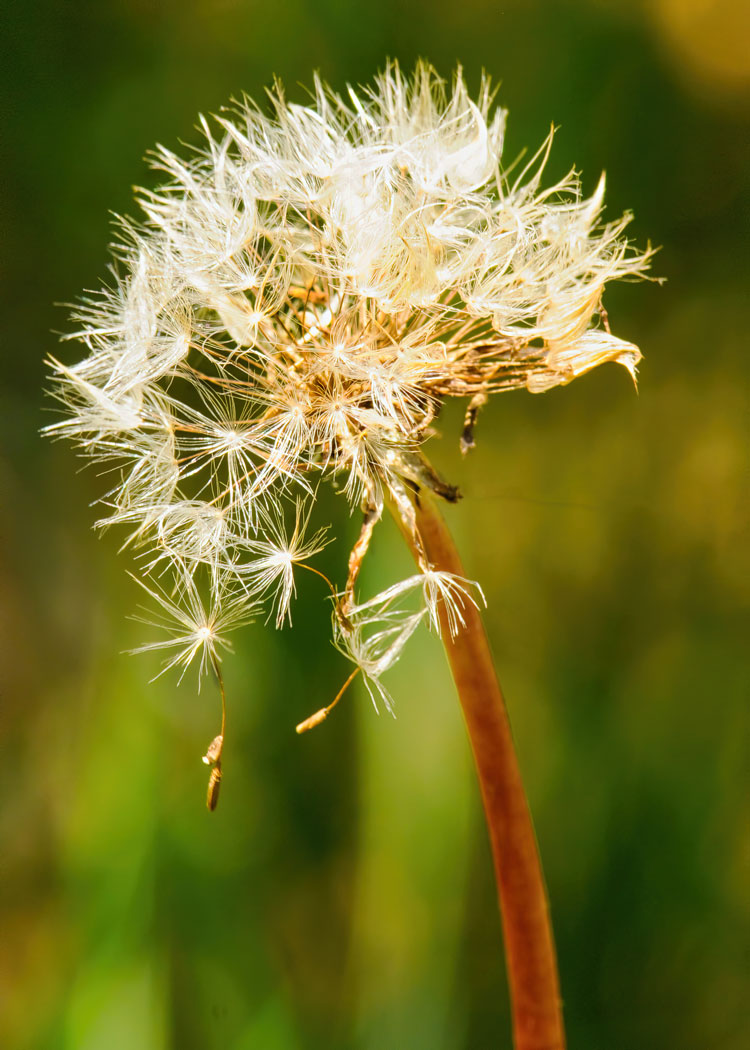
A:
529, 943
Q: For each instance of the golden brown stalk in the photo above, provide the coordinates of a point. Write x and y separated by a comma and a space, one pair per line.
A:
321, 715
529, 943
370, 520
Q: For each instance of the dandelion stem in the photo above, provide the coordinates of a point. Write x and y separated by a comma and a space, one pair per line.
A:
529, 943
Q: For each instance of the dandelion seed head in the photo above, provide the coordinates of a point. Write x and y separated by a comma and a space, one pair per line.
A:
303, 294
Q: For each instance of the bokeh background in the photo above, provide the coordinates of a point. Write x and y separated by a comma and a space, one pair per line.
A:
342, 895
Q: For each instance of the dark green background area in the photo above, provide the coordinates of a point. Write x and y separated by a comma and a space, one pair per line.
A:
342, 896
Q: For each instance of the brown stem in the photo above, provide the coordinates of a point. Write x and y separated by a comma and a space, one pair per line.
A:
529, 944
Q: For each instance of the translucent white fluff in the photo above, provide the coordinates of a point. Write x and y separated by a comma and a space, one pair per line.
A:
375, 631
305, 291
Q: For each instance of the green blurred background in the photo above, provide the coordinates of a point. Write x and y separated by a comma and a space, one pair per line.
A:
342, 894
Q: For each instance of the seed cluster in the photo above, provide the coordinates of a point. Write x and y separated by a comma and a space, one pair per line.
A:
303, 295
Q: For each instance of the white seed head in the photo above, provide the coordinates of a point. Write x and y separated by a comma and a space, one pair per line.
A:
304, 293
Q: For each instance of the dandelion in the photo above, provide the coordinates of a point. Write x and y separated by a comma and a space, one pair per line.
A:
305, 292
